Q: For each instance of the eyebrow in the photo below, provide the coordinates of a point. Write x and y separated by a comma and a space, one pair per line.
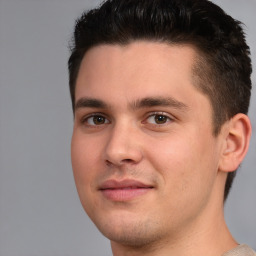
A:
137, 104
90, 103
159, 101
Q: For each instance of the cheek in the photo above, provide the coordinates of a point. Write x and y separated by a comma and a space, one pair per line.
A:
83, 155
186, 164
84, 164
170, 155
188, 176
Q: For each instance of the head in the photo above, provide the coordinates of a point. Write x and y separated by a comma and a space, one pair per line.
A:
160, 90
222, 68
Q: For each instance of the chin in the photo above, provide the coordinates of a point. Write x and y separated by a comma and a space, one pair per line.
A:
129, 231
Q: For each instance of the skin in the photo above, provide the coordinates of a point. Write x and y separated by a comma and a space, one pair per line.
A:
153, 126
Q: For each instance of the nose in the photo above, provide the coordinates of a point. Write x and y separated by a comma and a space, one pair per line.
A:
123, 146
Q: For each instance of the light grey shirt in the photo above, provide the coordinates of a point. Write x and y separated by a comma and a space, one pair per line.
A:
240, 250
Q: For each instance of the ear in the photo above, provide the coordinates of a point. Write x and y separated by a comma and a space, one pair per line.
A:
237, 138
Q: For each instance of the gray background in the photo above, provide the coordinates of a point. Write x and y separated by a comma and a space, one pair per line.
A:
40, 213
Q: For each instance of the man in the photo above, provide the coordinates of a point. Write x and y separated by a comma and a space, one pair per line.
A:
160, 90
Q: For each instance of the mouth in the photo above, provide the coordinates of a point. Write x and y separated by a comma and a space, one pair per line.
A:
124, 190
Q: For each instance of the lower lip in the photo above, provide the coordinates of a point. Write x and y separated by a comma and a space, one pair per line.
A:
124, 194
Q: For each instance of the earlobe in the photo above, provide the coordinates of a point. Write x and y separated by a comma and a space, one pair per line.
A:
236, 144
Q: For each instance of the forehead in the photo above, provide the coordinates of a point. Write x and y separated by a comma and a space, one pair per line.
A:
136, 70
138, 60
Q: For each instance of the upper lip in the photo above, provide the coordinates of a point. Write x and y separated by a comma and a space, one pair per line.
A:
127, 183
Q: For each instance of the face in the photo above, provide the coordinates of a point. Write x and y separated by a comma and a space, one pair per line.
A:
143, 152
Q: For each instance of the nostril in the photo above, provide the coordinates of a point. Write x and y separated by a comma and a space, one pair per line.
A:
108, 163
127, 161
124, 161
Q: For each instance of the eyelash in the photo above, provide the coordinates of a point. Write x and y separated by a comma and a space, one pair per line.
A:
167, 119
94, 115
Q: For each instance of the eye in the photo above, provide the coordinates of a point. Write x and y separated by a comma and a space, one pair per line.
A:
158, 119
95, 120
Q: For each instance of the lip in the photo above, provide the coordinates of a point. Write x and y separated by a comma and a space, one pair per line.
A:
124, 190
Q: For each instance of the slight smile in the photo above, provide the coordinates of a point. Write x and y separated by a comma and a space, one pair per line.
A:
124, 190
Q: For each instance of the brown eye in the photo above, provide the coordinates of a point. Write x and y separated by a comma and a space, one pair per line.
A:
160, 119
99, 120
96, 120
